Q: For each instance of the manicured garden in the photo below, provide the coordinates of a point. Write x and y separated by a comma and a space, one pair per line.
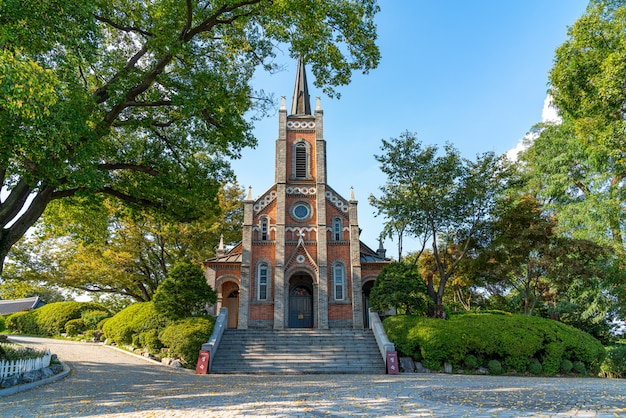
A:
138, 327
504, 343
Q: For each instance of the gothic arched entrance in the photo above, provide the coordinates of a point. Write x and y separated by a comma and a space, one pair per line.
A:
230, 292
301, 301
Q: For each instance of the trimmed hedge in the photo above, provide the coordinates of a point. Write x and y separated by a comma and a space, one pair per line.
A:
2, 323
75, 327
513, 340
132, 321
22, 323
50, 319
185, 337
93, 318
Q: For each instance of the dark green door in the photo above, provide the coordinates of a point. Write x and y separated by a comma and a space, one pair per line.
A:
300, 307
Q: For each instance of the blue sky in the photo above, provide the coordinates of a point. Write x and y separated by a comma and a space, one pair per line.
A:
473, 73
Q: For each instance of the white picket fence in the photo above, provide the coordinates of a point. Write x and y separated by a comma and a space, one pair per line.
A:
9, 368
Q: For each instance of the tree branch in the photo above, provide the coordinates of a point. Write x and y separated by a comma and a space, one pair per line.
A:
150, 104
128, 166
123, 28
102, 92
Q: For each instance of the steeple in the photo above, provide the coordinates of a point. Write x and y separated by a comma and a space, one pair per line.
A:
301, 104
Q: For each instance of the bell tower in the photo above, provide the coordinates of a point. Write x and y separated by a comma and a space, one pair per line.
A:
300, 263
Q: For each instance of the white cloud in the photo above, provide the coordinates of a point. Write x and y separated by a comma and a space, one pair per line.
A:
549, 113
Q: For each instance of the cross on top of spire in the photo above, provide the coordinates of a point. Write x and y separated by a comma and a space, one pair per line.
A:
301, 104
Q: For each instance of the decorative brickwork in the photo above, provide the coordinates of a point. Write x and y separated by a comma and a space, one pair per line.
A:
301, 234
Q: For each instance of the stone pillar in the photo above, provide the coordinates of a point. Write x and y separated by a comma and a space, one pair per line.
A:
246, 259
280, 295
355, 261
320, 203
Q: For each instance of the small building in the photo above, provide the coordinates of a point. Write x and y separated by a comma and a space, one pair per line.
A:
300, 263
8, 307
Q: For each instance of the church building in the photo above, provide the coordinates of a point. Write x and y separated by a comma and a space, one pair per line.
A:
300, 263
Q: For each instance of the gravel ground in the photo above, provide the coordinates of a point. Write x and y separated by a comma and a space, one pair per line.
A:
109, 383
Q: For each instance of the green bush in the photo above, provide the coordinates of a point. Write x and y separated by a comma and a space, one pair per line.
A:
132, 321
150, 340
566, 366
23, 323
615, 363
535, 368
184, 292
185, 337
511, 339
471, 361
579, 367
74, 327
51, 318
2, 323
495, 367
400, 286
93, 318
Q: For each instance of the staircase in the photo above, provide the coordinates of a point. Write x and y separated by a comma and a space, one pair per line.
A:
298, 351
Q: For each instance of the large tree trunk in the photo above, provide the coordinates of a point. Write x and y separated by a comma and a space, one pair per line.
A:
12, 234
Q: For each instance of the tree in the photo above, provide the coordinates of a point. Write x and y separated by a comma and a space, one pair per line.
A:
527, 257
142, 101
400, 286
445, 200
104, 250
578, 166
184, 292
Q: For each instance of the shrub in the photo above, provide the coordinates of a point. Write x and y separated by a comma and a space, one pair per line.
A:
132, 321
184, 292
2, 323
471, 361
512, 339
401, 286
566, 366
494, 366
92, 334
185, 337
150, 340
535, 368
615, 363
93, 318
51, 318
23, 323
74, 327
579, 367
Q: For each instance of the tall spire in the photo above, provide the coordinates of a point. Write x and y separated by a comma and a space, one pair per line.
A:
301, 103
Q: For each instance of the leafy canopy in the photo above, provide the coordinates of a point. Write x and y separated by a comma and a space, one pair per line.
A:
142, 101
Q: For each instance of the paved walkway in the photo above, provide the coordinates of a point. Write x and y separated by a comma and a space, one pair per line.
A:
105, 382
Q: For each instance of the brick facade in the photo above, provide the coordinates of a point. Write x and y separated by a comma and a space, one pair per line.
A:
300, 262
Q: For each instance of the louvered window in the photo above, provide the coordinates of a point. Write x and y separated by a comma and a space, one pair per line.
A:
301, 161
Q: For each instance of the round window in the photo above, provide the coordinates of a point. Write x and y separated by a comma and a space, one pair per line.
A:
301, 211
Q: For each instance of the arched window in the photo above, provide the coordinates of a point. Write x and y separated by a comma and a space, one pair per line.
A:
339, 282
262, 281
337, 227
264, 229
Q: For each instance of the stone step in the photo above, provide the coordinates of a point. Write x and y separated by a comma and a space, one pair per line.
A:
298, 351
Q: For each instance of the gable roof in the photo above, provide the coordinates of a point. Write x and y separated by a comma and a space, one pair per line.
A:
20, 305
